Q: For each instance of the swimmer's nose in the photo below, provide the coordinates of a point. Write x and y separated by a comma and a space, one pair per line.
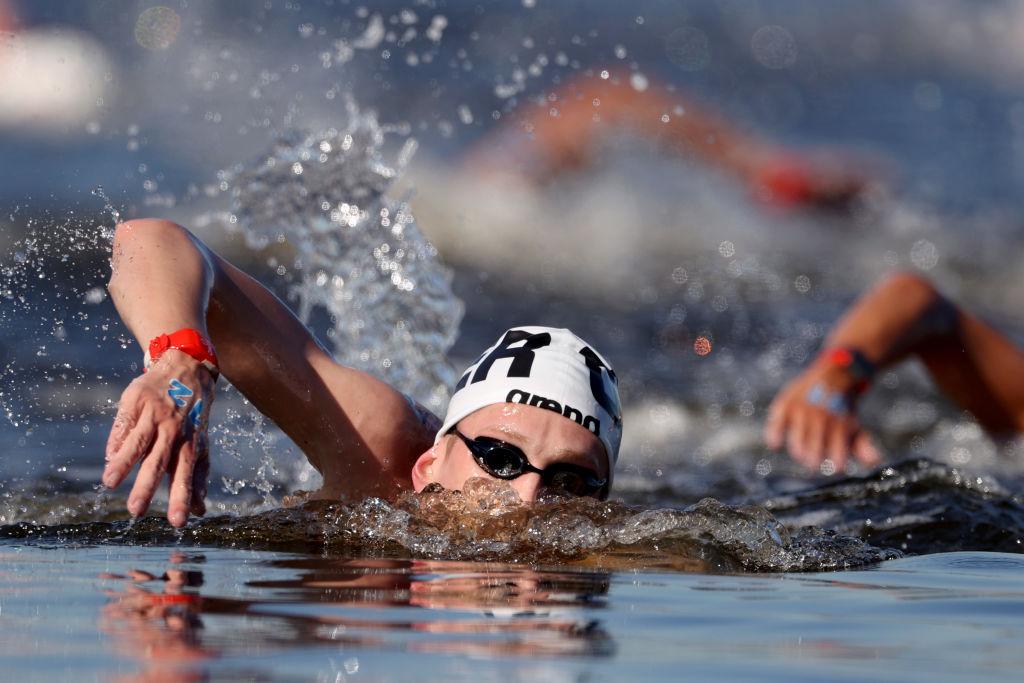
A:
528, 486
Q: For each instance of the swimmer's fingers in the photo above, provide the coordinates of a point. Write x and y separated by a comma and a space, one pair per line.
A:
814, 438
201, 445
131, 448
123, 422
153, 468
795, 436
179, 500
775, 425
200, 476
130, 409
841, 434
864, 449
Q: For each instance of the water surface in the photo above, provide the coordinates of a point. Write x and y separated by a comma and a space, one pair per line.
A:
172, 613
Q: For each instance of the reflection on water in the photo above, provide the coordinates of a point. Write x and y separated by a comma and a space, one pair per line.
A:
172, 623
165, 613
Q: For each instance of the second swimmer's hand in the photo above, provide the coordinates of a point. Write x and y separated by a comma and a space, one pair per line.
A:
161, 425
814, 418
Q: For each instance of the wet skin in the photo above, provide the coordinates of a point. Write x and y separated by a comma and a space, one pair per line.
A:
363, 436
545, 437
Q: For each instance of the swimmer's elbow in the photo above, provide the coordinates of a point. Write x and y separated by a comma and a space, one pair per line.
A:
146, 236
139, 232
909, 284
936, 314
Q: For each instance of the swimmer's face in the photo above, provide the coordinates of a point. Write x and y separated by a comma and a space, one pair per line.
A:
545, 437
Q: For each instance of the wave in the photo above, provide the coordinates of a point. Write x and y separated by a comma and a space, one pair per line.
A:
486, 521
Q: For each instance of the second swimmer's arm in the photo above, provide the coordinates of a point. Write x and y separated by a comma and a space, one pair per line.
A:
904, 315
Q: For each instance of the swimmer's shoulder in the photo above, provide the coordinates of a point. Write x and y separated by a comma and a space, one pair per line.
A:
371, 443
424, 416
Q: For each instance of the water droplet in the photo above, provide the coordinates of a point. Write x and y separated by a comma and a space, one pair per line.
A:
157, 28
774, 47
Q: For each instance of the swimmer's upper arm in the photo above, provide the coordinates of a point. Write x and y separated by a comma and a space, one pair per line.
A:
358, 431
982, 370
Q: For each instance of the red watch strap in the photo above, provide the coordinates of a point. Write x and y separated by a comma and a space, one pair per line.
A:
187, 340
854, 362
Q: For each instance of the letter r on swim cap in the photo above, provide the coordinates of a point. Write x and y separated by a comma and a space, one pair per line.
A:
522, 356
607, 401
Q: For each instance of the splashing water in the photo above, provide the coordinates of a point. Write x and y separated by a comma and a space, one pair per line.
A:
916, 505
109, 207
487, 522
362, 258
52, 283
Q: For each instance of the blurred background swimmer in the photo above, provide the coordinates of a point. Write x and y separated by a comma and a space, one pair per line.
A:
573, 127
628, 175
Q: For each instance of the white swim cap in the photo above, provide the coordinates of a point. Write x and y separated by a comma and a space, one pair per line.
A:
548, 368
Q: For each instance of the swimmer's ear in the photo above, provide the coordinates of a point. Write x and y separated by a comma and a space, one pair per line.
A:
423, 471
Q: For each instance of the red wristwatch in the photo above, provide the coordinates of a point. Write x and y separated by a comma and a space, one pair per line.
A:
854, 362
188, 341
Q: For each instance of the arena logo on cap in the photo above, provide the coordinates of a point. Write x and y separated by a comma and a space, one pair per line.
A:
548, 368
574, 414
522, 359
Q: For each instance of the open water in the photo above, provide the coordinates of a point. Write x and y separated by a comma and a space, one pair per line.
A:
162, 613
318, 146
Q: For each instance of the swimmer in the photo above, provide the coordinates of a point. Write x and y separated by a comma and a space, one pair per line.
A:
566, 123
539, 409
815, 416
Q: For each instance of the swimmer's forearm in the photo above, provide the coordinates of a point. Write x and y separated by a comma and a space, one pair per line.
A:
165, 279
897, 318
357, 431
668, 117
160, 279
971, 361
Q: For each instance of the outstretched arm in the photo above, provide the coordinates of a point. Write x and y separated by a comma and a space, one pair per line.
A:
566, 124
361, 434
903, 316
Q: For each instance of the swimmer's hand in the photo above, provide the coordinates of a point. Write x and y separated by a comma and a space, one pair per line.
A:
815, 418
161, 424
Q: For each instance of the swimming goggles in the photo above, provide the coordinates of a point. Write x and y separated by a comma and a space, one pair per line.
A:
505, 461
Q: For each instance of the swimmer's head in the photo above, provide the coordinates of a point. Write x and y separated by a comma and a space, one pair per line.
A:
540, 398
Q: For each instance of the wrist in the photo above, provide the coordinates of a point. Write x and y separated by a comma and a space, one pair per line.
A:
177, 364
188, 341
846, 369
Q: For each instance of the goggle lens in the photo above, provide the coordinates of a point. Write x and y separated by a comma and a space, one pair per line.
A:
505, 461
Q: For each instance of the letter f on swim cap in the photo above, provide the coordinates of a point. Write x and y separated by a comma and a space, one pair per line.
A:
549, 368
